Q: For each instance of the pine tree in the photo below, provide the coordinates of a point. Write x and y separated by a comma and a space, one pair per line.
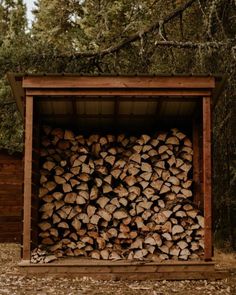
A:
12, 41
56, 24
12, 19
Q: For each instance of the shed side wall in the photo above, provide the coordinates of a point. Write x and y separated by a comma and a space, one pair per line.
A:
11, 200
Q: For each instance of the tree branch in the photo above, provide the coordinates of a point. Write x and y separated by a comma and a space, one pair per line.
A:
138, 34
190, 44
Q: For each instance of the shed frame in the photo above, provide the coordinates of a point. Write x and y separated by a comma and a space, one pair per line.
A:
28, 89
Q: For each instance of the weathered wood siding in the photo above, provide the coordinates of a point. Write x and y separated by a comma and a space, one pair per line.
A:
11, 200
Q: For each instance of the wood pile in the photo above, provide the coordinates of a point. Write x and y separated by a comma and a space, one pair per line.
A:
40, 255
118, 197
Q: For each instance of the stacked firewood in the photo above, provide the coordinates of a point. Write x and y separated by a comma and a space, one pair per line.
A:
118, 197
40, 255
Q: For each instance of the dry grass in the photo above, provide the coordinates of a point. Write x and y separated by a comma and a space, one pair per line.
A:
225, 260
14, 282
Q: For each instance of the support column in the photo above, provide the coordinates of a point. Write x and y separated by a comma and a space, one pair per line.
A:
207, 174
196, 165
27, 176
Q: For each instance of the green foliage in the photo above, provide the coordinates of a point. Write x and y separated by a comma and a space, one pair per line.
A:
11, 129
12, 39
56, 24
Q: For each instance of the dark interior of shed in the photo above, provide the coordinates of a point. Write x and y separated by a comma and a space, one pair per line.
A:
130, 115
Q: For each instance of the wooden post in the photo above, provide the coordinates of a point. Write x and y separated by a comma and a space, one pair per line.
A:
28, 177
196, 165
207, 177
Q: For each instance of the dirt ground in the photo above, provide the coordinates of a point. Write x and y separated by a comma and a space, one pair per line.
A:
13, 281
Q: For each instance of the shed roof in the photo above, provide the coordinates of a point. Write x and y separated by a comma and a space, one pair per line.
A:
99, 100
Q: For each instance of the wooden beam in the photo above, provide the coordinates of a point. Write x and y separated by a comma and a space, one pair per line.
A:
207, 190
80, 82
110, 116
28, 177
124, 270
95, 93
17, 90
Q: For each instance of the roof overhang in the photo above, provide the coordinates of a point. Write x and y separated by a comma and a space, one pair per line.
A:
144, 87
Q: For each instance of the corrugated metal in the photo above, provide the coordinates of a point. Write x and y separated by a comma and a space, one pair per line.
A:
131, 108
101, 113
137, 107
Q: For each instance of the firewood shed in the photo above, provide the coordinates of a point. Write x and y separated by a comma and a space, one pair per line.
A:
113, 105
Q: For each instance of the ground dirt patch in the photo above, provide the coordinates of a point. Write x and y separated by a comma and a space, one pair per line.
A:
13, 281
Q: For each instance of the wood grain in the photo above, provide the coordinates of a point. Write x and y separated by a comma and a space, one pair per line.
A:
11, 201
174, 93
28, 177
207, 182
81, 82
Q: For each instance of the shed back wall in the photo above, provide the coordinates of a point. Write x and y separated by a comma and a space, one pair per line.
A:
11, 198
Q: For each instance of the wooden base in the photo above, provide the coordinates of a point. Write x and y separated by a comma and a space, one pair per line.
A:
122, 270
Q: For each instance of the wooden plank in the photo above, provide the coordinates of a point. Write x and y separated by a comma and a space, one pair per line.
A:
168, 265
8, 166
97, 93
12, 220
27, 177
118, 269
129, 276
13, 188
11, 162
11, 202
14, 161
11, 195
14, 237
16, 182
207, 190
117, 82
10, 210
13, 158
128, 270
196, 165
4, 170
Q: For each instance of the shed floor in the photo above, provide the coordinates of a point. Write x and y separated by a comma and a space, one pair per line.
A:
133, 270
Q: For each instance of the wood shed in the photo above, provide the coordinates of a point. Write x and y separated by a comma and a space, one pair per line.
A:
177, 106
